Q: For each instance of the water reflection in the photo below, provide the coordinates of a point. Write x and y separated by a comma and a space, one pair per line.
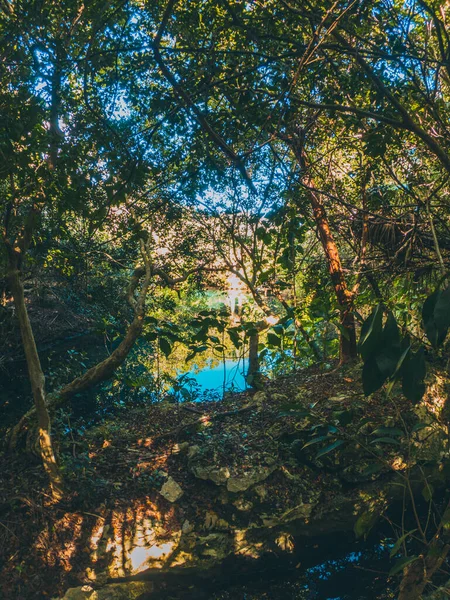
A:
226, 376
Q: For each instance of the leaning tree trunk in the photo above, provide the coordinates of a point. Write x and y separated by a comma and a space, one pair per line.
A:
347, 346
106, 368
37, 381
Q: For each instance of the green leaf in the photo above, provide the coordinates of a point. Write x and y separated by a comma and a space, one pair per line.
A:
388, 431
391, 335
399, 542
201, 335
371, 332
435, 334
234, 337
329, 448
273, 340
401, 564
344, 417
185, 393
413, 376
151, 336
446, 519
364, 523
442, 312
372, 377
427, 492
386, 440
398, 369
373, 468
419, 426
165, 346
279, 329
316, 440
387, 360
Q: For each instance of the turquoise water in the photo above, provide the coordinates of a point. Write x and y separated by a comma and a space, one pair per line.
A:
226, 376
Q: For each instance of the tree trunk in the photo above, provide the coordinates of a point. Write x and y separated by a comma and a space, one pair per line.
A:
344, 296
417, 574
106, 368
253, 360
347, 347
37, 381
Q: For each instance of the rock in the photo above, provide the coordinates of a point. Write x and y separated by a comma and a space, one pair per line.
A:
187, 527
261, 491
98, 578
338, 398
302, 511
213, 521
182, 448
216, 545
217, 476
242, 483
269, 521
243, 505
278, 397
260, 398
117, 591
171, 491
193, 451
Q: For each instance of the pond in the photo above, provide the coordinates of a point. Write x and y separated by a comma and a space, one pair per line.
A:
218, 378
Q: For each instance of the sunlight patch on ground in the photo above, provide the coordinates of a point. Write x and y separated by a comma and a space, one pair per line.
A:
143, 557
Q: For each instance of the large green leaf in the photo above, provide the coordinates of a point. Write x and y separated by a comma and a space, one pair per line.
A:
316, 440
371, 332
234, 337
387, 360
273, 340
413, 376
436, 316
442, 312
391, 334
399, 542
401, 564
330, 448
364, 523
386, 440
372, 377
165, 346
390, 431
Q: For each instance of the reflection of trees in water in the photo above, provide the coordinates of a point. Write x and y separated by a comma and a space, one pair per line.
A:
174, 372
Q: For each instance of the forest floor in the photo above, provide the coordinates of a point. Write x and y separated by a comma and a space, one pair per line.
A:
310, 435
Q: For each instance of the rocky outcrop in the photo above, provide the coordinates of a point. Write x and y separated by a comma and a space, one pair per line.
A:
242, 483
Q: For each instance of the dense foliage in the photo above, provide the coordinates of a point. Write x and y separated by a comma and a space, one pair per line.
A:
207, 178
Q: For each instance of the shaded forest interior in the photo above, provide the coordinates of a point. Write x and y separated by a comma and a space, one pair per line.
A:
224, 299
